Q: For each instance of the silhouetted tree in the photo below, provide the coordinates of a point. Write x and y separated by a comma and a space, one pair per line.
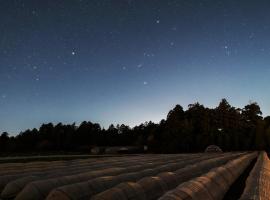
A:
3, 141
182, 131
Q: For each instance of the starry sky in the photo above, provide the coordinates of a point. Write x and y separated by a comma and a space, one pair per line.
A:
127, 61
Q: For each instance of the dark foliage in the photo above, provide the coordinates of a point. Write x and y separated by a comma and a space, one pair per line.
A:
183, 131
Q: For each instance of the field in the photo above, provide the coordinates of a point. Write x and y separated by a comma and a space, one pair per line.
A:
144, 177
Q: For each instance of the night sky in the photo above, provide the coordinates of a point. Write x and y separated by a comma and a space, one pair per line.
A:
127, 61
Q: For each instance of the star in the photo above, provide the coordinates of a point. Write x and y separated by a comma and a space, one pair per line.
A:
157, 21
124, 68
4, 96
145, 82
139, 65
35, 67
34, 12
73, 53
251, 36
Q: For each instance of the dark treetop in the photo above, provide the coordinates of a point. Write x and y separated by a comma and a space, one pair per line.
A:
182, 131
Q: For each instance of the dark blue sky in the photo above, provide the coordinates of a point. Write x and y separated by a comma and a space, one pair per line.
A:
127, 61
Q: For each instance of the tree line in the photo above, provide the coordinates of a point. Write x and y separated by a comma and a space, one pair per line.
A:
192, 130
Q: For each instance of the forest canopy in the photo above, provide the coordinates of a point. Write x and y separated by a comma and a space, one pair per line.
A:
191, 130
